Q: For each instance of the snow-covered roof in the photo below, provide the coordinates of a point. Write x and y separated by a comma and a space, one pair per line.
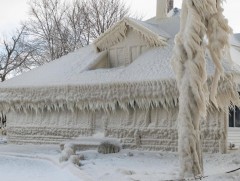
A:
150, 32
58, 72
70, 82
170, 25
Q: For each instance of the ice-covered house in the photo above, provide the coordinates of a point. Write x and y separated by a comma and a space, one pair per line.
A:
121, 86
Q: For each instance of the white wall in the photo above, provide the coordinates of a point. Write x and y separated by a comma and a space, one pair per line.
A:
47, 127
127, 50
147, 129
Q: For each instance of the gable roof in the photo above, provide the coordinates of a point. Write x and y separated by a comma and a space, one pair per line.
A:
150, 32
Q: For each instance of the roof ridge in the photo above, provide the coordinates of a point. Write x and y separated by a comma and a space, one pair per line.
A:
118, 32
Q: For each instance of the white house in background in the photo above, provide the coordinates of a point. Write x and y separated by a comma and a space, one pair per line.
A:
121, 86
234, 116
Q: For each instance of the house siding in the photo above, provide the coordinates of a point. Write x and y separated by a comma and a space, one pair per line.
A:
234, 137
143, 129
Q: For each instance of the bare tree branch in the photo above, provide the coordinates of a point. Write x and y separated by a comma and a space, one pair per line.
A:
57, 27
14, 53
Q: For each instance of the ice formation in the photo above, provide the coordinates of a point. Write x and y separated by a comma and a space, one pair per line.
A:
135, 99
199, 19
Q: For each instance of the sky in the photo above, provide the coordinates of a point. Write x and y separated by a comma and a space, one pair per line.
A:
12, 12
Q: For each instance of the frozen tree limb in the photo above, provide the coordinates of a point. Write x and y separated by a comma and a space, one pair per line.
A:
198, 20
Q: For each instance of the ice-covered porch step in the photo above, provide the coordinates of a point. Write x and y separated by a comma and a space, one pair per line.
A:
87, 143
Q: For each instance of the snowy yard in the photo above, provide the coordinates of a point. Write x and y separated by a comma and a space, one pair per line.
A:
17, 168
40, 162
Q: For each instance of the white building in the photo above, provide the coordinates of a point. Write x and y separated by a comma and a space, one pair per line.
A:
121, 86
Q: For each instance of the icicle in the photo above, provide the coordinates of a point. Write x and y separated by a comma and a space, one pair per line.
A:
118, 32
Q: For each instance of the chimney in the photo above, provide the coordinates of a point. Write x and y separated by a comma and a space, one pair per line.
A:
163, 7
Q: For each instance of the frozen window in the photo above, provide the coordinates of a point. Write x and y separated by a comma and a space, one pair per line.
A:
234, 117
231, 118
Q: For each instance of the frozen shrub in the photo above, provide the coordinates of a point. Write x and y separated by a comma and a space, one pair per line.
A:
70, 145
63, 158
74, 159
81, 157
107, 147
65, 155
69, 151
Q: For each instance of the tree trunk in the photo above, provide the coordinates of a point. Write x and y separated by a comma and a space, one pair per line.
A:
198, 20
189, 143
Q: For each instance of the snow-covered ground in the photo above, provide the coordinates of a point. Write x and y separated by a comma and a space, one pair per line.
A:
40, 163
26, 169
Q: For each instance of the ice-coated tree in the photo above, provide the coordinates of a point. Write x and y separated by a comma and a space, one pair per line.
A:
200, 20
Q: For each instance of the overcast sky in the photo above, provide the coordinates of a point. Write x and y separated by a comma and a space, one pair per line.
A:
13, 11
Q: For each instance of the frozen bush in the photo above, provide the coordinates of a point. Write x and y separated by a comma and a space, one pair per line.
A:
63, 158
106, 147
66, 153
71, 145
74, 159
81, 157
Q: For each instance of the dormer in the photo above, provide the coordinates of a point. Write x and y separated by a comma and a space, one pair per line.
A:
128, 39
